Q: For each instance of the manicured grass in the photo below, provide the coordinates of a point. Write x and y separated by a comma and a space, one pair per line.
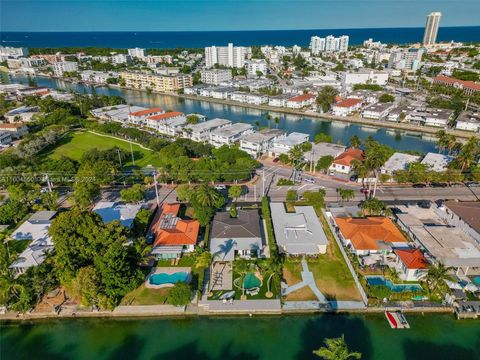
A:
185, 260
330, 271
74, 145
145, 296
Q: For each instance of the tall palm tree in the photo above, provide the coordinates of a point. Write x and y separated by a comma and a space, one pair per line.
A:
436, 276
336, 349
242, 267
272, 269
207, 196
355, 141
296, 155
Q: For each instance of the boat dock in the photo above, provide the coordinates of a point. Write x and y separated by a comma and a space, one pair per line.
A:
397, 320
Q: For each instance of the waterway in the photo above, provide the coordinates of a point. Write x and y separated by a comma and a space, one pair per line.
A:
436, 336
341, 132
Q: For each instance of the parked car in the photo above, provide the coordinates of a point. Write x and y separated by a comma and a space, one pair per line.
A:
276, 160
419, 185
221, 187
439, 184
309, 180
353, 178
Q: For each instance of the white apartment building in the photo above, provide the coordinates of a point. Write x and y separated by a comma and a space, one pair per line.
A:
259, 143
317, 45
248, 98
255, 65
398, 161
296, 49
139, 117
430, 116
346, 107
7, 52
137, 53
328, 44
374, 77
64, 66
229, 135
279, 100
229, 56
377, 111
97, 76
169, 123
216, 76
406, 59
431, 28
468, 121
160, 83
121, 59
301, 101
283, 144
201, 132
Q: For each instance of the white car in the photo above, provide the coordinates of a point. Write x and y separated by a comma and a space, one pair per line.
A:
220, 187
309, 180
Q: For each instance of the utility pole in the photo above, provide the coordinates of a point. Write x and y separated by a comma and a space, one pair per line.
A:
48, 183
119, 157
263, 183
156, 187
255, 192
131, 151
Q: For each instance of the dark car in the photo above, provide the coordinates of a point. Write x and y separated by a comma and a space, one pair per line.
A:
353, 178
419, 185
439, 184
424, 204
276, 160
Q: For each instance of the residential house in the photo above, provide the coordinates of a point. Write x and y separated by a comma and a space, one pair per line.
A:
283, 144
437, 162
398, 161
139, 117
299, 232
249, 98
16, 130
117, 113
278, 100
377, 111
22, 114
346, 107
430, 117
462, 214
259, 143
239, 236
170, 235
323, 149
201, 132
365, 236
411, 263
343, 163
169, 123
35, 229
229, 135
301, 101
5, 138
469, 121
114, 211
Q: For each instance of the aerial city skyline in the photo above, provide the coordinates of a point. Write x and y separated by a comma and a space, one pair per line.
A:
174, 188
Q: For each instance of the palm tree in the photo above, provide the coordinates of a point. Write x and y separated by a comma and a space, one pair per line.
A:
203, 260
336, 349
277, 121
346, 194
269, 118
207, 196
436, 276
242, 267
372, 206
296, 155
274, 270
355, 141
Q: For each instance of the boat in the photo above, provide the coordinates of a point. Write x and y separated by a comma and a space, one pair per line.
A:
397, 320
227, 295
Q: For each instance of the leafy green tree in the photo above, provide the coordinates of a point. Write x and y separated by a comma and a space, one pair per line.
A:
436, 276
180, 294
86, 286
373, 206
134, 194
324, 163
323, 138
346, 194
193, 119
85, 192
184, 192
386, 98
336, 349
234, 192
291, 195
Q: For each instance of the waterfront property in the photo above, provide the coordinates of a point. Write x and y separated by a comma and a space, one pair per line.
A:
374, 280
164, 277
201, 132
398, 161
35, 229
114, 211
411, 264
437, 162
283, 144
237, 236
170, 235
259, 143
343, 163
323, 149
228, 135
298, 232
365, 236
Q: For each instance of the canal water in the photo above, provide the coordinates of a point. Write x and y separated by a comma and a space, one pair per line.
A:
436, 336
341, 132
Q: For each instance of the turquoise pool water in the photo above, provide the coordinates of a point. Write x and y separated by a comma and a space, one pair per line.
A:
161, 279
251, 281
381, 281
476, 280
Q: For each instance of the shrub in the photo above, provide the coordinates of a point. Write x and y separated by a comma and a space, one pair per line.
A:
180, 294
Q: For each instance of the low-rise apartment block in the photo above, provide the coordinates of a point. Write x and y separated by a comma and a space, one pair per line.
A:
229, 135
160, 83
201, 132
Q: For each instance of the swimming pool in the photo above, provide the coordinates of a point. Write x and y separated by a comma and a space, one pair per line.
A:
476, 280
381, 281
251, 281
163, 278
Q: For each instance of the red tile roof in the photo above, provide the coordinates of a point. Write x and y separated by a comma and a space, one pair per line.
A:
146, 112
450, 80
303, 97
166, 115
347, 103
365, 233
12, 126
348, 156
412, 258
175, 231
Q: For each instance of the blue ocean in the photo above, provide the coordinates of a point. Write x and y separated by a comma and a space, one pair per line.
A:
198, 39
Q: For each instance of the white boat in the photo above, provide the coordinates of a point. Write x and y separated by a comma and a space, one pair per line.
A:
227, 295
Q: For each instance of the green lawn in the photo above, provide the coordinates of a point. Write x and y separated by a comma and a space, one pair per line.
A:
75, 144
145, 296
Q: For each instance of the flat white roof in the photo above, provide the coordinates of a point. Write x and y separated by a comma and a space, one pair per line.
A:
232, 130
292, 139
208, 125
399, 161
437, 162
112, 211
35, 228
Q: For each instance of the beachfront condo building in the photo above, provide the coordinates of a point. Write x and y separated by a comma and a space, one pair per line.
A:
137, 53
328, 44
431, 28
229, 56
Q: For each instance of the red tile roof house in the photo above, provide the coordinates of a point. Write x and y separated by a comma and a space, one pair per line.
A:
411, 263
139, 117
346, 107
469, 87
170, 123
301, 101
171, 235
343, 163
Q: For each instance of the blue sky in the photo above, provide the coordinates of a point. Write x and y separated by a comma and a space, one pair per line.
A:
178, 15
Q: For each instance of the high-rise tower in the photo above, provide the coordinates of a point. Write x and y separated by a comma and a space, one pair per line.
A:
431, 28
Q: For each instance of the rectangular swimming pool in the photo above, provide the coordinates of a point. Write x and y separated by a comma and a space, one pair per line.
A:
381, 281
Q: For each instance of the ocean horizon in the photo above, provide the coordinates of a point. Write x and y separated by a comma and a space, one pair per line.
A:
199, 39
